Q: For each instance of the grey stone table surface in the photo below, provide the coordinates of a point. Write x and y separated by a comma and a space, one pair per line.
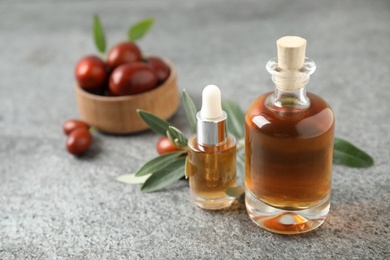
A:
54, 206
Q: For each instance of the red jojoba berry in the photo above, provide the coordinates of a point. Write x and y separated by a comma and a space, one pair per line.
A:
164, 146
78, 141
132, 78
122, 53
91, 73
160, 67
73, 124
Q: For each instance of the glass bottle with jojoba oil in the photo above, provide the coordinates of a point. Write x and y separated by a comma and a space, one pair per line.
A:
211, 160
289, 147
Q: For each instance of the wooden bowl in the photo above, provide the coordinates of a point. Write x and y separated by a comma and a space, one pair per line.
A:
117, 115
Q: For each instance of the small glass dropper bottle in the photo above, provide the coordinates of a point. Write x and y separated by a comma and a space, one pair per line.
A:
211, 161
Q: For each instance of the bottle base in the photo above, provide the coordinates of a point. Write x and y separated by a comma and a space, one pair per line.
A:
282, 221
212, 204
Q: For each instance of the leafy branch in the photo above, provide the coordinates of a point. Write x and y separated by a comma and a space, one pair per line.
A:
166, 169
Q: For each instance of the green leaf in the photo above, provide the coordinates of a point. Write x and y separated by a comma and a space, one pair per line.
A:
185, 171
158, 163
241, 163
177, 137
235, 121
235, 191
155, 123
165, 176
138, 30
347, 154
98, 34
132, 179
172, 139
190, 110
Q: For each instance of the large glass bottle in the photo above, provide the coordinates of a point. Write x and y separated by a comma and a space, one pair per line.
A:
289, 147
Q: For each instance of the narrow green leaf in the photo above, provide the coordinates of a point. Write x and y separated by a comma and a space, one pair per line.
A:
132, 179
240, 144
235, 121
190, 110
241, 163
185, 170
235, 191
177, 137
138, 30
172, 138
175, 140
98, 34
166, 176
155, 123
158, 163
347, 154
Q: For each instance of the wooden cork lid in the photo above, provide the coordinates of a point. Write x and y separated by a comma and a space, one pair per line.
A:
291, 52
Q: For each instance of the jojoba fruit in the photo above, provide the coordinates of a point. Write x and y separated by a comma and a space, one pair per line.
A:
73, 124
132, 78
91, 72
78, 141
164, 145
160, 67
122, 53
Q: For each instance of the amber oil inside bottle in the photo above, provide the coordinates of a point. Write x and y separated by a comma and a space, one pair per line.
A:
289, 153
211, 169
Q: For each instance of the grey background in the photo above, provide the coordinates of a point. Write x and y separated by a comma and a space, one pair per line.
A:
54, 206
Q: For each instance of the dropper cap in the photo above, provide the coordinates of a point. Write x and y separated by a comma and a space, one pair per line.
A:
211, 119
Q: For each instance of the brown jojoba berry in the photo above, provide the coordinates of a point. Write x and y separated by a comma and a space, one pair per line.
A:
132, 78
160, 67
164, 145
122, 53
91, 73
73, 124
78, 141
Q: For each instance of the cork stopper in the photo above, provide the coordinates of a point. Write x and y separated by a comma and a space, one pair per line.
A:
291, 52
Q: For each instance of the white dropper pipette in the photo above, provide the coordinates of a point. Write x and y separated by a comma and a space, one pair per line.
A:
211, 103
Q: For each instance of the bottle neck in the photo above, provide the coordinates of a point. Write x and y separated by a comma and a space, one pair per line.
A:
295, 99
290, 87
